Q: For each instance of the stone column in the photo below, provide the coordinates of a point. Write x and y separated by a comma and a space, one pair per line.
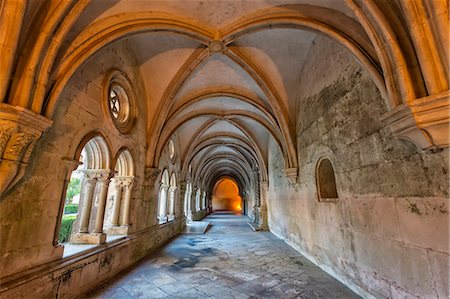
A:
103, 193
263, 224
189, 203
118, 184
151, 175
89, 183
197, 199
172, 191
128, 186
192, 196
182, 195
203, 200
163, 203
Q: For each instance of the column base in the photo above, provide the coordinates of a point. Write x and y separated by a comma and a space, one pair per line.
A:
162, 219
118, 230
257, 227
88, 238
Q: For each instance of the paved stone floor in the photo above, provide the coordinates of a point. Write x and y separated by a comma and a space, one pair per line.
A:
229, 261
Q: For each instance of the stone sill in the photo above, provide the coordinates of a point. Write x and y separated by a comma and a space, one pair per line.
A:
330, 200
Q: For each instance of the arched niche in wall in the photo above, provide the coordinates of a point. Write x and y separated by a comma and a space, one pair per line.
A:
326, 181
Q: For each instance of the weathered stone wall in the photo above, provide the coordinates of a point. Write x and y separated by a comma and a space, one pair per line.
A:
77, 274
388, 234
33, 206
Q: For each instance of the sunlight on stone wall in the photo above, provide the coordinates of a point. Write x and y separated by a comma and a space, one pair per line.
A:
227, 196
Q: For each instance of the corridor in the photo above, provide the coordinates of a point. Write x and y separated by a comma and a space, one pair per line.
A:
229, 261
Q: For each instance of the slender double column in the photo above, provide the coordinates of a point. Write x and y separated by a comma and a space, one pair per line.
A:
89, 188
203, 201
192, 197
118, 185
183, 194
163, 203
103, 193
172, 190
92, 178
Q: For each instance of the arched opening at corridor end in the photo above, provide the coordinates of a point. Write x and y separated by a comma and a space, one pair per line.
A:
226, 196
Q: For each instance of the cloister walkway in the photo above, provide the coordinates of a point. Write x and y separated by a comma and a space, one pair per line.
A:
229, 261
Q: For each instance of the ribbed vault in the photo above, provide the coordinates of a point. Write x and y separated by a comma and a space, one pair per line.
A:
221, 77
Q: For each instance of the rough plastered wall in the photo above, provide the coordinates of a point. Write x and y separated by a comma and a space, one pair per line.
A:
388, 234
32, 207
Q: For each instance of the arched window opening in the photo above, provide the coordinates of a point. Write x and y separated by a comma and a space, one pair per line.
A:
325, 181
172, 194
171, 149
162, 198
203, 206
85, 196
119, 203
226, 196
197, 200
187, 200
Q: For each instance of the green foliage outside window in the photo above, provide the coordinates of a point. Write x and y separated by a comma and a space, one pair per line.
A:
73, 189
66, 228
71, 209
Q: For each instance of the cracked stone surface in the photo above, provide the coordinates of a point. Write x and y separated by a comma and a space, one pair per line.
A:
229, 261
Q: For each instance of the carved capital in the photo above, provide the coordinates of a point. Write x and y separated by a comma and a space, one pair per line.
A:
19, 130
425, 121
98, 174
183, 186
164, 187
151, 175
129, 182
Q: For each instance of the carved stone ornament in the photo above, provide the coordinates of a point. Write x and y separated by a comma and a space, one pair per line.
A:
19, 130
291, 174
127, 182
217, 46
424, 122
151, 174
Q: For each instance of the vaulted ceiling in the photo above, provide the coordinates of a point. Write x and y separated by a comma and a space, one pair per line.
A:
223, 76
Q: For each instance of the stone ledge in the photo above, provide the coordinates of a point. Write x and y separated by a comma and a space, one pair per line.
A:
88, 238
117, 230
197, 227
255, 227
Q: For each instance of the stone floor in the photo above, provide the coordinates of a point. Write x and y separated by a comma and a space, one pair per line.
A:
229, 261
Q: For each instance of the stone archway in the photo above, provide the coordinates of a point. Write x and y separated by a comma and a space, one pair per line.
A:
226, 196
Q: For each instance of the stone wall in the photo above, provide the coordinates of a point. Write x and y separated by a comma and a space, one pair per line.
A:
387, 236
72, 276
33, 206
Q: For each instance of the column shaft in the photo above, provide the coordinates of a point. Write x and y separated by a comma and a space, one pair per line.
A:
100, 217
87, 205
116, 206
127, 206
